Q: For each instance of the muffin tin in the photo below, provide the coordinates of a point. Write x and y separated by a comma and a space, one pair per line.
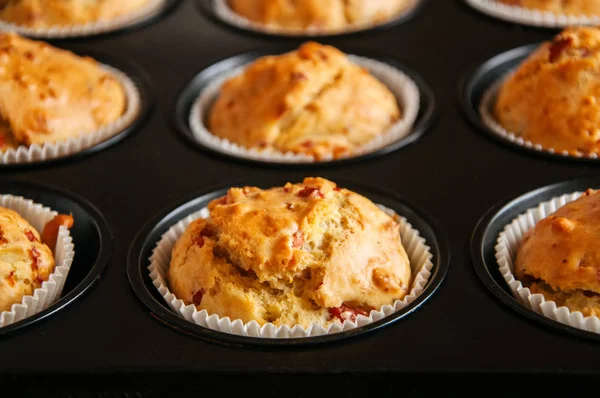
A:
453, 171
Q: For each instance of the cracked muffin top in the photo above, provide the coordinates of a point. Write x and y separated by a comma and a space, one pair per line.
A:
551, 99
49, 13
310, 101
297, 254
570, 7
317, 14
560, 256
48, 94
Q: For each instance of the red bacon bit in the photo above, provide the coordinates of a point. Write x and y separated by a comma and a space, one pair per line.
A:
197, 298
337, 189
312, 192
30, 235
286, 189
10, 279
558, 46
35, 258
198, 241
346, 313
38, 280
297, 240
307, 144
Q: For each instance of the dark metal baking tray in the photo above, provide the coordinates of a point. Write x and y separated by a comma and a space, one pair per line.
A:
109, 337
190, 92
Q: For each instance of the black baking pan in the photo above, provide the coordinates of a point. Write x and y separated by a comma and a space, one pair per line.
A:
144, 243
479, 78
91, 236
190, 92
139, 77
484, 238
206, 7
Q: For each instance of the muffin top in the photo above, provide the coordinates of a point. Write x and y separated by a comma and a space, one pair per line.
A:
317, 14
49, 95
25, 262
310, 101
49, 13
571, 7
291, 255
551, 98
563, 249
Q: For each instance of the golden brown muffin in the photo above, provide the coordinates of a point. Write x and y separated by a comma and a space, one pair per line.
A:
48, 95
297, 254
25, 262
551, 98
570, 7
310, 101
560, 256
49, 13
317, 14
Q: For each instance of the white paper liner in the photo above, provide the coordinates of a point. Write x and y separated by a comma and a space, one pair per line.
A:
416, 248
488, 101
51, 290
404, 89
527, 16
226, 14
153, 8
506, 252
36, 152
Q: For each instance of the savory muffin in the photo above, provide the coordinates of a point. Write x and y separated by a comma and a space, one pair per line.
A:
48, 94
51, 13
26, 260
560, 256
291, 255
310, 101
561, 7
551, 99
317, 14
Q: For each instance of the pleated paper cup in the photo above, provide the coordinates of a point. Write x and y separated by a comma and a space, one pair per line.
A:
49, 151
488, 101
226, 14
403, 87
531, 17
506, 252
418, 252
51, 290
150, 10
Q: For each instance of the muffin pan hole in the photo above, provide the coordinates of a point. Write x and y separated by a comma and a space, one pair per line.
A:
188, 96
145, 243
91, 237
480, 82
485, 239
208, 8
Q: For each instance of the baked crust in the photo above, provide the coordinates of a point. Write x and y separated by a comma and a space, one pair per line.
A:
317, 14
551, 98
571, 7
25, 262
560, 256
310, 101
48, 94
49, 13
297, 254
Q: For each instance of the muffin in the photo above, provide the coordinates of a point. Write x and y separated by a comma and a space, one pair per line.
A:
291, 255
550, 99
49, 95
321, 15
560, 7
26, 259
560, 256
51, 13
311, 101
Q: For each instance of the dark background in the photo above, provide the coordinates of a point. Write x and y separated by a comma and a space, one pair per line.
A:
107, 340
